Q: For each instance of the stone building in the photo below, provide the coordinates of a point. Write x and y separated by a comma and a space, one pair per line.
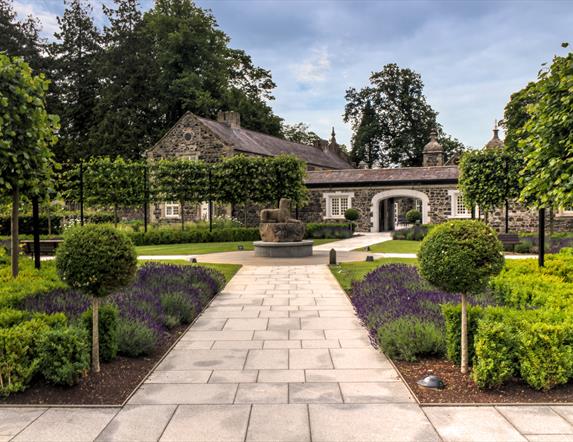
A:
381, 196
198, 138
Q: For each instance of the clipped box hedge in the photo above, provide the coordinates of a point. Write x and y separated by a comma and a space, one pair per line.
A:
328, 230
174, 236
531, 335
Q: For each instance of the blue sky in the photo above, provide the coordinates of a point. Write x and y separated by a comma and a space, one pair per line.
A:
471, 54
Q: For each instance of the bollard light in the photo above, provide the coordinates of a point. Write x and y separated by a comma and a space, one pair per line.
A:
193, 260
432, 382
332, 257
369, 258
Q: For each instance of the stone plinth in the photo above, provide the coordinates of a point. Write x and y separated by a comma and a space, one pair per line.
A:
282, 232
296, 249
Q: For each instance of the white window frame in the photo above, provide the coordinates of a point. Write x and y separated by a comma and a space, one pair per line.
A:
454, 205
172, 210
190, 157
340, 197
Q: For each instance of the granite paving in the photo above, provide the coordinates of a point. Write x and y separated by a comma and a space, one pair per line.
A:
281, 356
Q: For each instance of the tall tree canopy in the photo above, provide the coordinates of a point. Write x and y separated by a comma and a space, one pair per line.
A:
27, 132
20, 38
299, 133
118, 90
404, 118
547, 137
392, 121
74, 97
366, 148
128, 109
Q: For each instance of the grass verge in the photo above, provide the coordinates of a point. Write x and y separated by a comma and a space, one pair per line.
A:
395, 246
202, 248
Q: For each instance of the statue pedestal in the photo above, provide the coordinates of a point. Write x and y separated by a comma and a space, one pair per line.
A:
295, 249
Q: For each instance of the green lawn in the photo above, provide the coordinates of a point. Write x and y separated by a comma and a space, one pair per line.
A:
346, 272
228, 270
395, 246
202, 248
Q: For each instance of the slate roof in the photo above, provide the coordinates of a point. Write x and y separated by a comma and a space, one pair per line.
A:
361, 177
252, 142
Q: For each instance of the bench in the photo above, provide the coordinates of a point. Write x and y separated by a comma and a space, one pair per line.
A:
509, 240
47, 246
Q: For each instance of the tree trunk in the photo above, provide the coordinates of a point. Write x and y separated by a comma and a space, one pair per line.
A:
14, 233
95, 335
49, 217
115, 220
245, 207
486, 217
36, 224
464, 338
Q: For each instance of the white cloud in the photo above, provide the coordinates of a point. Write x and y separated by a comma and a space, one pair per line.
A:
47, 18
314, 68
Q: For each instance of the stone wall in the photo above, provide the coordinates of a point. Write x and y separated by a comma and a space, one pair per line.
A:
521, 219
439, 202
189, 138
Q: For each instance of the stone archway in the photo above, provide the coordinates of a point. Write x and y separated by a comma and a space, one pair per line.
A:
408, 193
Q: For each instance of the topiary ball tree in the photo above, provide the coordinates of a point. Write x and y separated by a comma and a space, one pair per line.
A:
460, 257
96, 260
351, 214
413, 216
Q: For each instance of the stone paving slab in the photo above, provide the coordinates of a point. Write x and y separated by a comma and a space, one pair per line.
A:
280, 356
68, 424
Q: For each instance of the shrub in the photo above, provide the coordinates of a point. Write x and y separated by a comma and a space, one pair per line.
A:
453, 319
414, 233
4, 258
406, 338
396, 291
546, 354
174, 236
108, 331
495, 353
64, 355
413, 216
142, 301
19, 360
135, 338
351, 214
177, 309
97, 260
30, 281
328, 230
523, 247
459, 257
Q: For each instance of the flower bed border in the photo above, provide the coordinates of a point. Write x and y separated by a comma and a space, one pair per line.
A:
137, 387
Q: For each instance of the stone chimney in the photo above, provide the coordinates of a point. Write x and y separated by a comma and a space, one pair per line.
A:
230, 118
433, 151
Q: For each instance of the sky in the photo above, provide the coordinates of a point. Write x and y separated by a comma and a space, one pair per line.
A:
472, 55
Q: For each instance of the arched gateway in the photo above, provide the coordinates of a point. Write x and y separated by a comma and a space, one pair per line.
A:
382, 207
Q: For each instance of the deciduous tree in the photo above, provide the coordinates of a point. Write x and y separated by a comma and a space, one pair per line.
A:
27, 132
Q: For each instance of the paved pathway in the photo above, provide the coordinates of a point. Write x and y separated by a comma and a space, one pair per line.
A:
280, 356
356, 242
